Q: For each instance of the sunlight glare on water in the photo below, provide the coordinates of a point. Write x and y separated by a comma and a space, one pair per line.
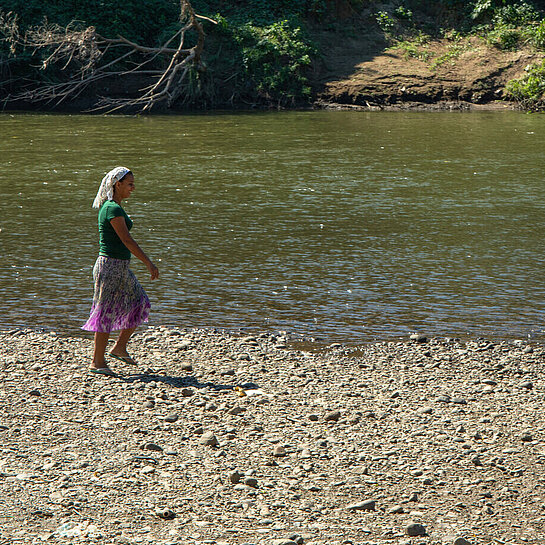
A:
344, 226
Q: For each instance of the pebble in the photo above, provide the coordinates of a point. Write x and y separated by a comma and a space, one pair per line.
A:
250, 481
461, 541
415, 529
209, 439
236, 410
165, 514
235, 477
172, 417
186, 366
418, 338
152, 446
279, 451
332, 416
367, 505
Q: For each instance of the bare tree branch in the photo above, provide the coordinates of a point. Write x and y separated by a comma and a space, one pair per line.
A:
89, 57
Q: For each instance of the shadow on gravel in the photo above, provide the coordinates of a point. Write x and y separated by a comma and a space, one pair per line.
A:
181, 382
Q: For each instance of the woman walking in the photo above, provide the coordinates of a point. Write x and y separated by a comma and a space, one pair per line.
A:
119, 301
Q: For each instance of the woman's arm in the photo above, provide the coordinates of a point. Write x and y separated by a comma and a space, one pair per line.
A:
120, 227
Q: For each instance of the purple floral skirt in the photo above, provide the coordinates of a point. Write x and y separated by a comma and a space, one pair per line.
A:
119, 301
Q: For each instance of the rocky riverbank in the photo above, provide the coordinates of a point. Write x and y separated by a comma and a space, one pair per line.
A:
220, 439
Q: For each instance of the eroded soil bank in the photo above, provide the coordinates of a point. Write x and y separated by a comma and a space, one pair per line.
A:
220, 439
465, 73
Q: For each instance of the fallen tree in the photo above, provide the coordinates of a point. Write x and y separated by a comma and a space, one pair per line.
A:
80, 58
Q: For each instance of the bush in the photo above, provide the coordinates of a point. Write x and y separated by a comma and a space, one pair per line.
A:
504, 37
273, 59
529, 90
536, 35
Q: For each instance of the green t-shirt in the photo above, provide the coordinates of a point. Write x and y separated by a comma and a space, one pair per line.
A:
110, 244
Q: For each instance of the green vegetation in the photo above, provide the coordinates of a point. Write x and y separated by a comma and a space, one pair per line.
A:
262, 52
529, 90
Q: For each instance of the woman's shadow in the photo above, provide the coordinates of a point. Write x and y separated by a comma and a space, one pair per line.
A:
178, 382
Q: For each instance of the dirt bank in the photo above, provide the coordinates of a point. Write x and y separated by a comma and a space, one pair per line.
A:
223, 440
461, 73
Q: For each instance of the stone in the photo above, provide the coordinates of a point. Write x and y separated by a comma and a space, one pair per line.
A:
415, 529
235, 477
396, 510
152, 446
461, 541
425, 410
149, 404
418, 338
186, 366
332, 416
367, 505
165, 514
35, 393
172, 417
236, 410
209, 439
528, 385
250, 481
313, 417
187, 392
526, 437
279, 451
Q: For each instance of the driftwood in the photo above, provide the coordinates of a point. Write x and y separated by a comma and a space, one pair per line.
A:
97, 58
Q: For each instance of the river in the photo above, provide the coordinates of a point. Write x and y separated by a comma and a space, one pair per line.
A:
339, 226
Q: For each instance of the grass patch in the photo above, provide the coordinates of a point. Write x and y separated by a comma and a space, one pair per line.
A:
459, 45
414, 48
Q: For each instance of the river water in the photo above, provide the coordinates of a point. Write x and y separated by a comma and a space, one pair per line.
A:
342, 226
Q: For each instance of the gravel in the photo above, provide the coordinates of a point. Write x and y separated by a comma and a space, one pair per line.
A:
222, 439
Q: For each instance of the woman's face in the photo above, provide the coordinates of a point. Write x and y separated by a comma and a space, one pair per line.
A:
125, 187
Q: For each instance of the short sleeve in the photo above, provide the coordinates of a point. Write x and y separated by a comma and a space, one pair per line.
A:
114, 211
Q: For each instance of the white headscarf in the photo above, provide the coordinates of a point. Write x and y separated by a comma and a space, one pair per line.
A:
106, 189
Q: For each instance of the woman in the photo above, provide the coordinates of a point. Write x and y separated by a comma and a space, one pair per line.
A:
119, 301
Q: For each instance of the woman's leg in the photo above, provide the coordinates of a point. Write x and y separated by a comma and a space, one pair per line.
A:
101, 340
120, 347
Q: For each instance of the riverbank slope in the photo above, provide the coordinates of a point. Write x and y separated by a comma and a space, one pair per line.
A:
458, 73
221, 439
272, 55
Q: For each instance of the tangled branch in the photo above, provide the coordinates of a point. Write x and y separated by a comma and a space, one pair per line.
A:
91, 58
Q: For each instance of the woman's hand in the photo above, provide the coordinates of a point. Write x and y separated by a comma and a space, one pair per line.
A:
120, 227
153, 270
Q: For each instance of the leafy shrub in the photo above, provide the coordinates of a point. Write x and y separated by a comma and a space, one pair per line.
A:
385, 21
504, 12
402, 12
536, 35
272, 59
529, 90
504, 37
516, 14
